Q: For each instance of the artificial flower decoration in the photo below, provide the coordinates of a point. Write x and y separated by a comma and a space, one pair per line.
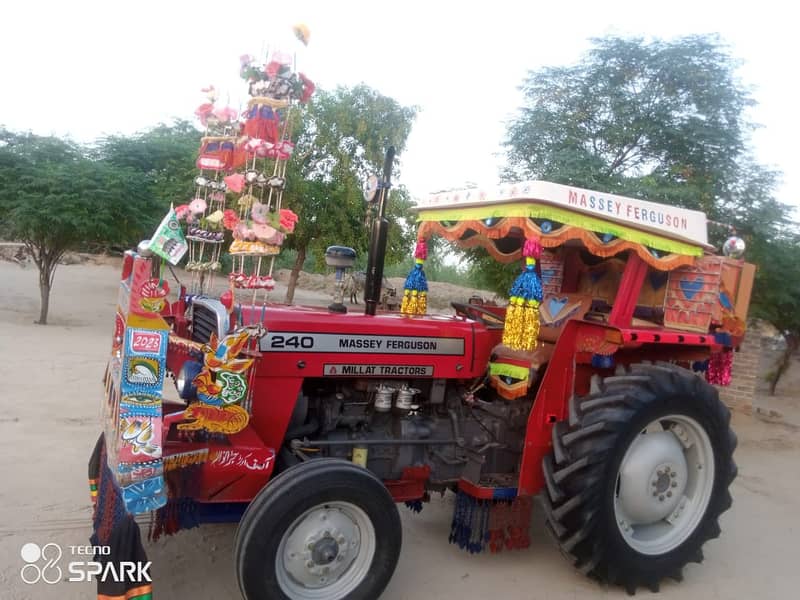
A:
302, 33
211, 93
272, 69
259, 212
263, 232
247, 200
204, 111
215, 218
197, 206
230, 219
226, 114
254, 144
182, 211
235, 182
288, 219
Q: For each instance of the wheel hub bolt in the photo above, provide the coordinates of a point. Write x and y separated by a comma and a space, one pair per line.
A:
673, 474
661, 498
669, 494
310, 564
674, 484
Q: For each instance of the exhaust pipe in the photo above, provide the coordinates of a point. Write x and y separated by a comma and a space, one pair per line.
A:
377, 242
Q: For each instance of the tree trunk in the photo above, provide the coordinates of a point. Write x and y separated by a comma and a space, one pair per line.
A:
45, 279
295, 274
782, 365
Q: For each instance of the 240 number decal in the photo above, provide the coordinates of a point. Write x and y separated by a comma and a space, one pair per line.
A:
293, 341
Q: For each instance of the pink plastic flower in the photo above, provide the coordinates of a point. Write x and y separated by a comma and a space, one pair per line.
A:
204, 111
253, 144
235, 182
288, 219
225, 115
272, 68
259, 212
230, 219
263, 232
181, 212
197, 206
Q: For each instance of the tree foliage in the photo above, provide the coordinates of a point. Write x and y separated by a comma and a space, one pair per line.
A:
777, 293
164, 155
54, 197
341, 140
660, 120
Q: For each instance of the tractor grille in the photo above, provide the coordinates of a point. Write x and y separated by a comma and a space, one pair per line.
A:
207, 319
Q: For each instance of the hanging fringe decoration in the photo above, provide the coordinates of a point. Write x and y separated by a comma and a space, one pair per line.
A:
415, 296
719, 368
522, 316
495, 525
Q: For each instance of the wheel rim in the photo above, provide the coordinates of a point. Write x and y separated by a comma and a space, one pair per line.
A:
664, 484
326, 552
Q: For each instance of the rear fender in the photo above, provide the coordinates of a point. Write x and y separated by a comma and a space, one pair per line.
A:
558, 385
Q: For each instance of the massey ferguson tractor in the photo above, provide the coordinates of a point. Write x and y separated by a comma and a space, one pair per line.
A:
592, 389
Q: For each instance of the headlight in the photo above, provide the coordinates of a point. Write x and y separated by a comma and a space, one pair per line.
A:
183, 382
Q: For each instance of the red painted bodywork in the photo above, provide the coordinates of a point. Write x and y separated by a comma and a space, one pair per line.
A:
278, 375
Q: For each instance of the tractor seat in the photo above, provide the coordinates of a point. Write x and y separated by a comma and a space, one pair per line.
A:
556, 309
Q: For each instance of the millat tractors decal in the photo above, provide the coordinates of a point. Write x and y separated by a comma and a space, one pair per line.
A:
338, 370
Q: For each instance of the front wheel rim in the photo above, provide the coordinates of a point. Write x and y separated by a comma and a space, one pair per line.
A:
664, 484
326, 552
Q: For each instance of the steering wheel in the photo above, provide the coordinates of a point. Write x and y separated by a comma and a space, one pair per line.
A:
477, 313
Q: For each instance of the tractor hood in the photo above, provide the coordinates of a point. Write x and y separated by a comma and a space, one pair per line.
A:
312, 342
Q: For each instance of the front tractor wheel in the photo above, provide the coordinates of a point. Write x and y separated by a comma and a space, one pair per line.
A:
639, 475
322, 530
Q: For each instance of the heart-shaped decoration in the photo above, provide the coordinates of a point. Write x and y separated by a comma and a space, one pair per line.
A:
690, 288
556, 305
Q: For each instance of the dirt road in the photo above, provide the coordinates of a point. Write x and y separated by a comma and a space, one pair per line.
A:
51, 384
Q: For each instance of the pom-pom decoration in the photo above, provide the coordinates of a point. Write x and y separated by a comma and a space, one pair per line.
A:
521, 330
415, 293
719, 368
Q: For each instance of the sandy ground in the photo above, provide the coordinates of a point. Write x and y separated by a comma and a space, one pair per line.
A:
48, 426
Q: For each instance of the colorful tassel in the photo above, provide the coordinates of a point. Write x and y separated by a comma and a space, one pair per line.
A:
719, 369
415, 293
521, 329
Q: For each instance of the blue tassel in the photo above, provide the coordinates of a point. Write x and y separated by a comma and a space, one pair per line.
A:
416, 279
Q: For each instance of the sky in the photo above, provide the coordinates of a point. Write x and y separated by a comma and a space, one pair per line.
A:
87, 69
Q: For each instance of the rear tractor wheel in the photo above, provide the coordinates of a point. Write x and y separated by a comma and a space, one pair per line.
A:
639, 475
325, 529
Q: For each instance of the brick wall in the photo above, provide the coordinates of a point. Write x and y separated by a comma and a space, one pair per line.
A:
746, 370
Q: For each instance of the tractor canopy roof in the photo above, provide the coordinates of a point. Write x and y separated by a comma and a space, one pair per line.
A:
666, 237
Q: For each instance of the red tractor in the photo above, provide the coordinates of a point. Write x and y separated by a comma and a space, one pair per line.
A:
610, 418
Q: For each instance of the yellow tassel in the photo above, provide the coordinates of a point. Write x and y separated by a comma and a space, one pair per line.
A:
422, 303
411, 303
530, 329
512, 331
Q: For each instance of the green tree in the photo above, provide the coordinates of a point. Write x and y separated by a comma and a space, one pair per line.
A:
54, 198
661, 120
777, 295
342, 137
165, 155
